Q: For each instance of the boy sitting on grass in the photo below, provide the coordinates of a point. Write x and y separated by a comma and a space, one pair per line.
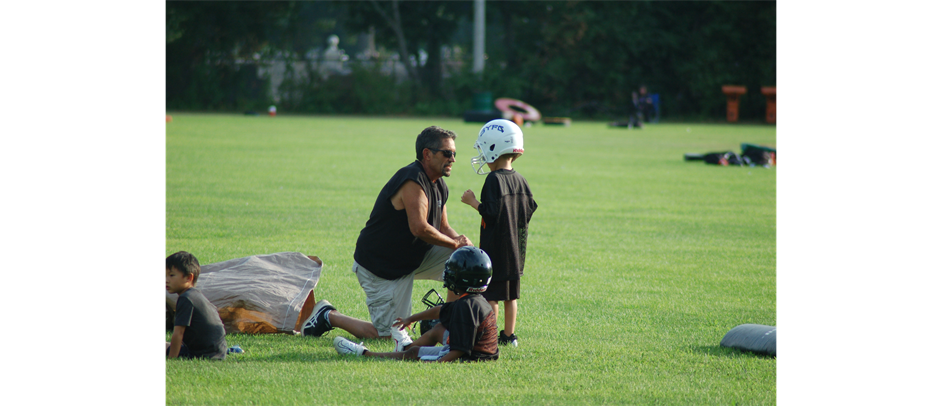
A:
468, 327
197, 329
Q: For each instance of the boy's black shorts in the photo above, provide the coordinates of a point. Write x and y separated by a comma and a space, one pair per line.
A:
502, 291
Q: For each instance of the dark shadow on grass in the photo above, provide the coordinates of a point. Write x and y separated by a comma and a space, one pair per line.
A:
306, 349
295, 356
720, 351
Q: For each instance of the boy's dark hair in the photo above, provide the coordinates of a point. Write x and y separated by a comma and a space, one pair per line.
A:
185, 263
513, 156
431, 138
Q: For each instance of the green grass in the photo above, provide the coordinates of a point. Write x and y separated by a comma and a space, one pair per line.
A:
638, 262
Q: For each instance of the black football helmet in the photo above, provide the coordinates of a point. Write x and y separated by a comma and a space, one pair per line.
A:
468, 269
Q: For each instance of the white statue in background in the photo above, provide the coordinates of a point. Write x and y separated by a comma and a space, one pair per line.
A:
333, 58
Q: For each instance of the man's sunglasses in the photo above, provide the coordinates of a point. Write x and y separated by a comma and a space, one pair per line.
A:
447, 154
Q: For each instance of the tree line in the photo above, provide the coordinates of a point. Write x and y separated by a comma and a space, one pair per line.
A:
574, 58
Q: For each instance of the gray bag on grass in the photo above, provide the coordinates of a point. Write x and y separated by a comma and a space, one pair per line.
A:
757, 338
259, 294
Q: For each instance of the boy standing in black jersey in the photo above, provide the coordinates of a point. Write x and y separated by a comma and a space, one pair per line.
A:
506, 207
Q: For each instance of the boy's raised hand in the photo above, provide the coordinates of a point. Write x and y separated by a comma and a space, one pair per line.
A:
468, 198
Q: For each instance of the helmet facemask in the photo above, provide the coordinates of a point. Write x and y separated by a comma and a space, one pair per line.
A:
479, 162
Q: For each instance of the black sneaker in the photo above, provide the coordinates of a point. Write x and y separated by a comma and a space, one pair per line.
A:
318, 324
505, 340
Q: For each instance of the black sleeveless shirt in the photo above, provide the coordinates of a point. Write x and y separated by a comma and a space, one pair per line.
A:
386, 246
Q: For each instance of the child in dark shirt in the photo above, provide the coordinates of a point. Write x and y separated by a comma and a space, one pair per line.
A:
506, 207
468, 327
198, 331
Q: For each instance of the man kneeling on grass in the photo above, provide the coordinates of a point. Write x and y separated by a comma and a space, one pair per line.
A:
468, 327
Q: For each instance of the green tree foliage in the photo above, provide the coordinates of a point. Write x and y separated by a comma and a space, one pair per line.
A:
410, 26
576, 58
587, 57
214, 48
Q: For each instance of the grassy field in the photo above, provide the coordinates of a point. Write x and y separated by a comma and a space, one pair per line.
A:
638, 262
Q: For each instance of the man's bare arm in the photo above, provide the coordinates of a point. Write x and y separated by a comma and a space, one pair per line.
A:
413, 199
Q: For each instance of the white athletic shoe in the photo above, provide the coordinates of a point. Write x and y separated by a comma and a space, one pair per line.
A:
345, 346
401, 337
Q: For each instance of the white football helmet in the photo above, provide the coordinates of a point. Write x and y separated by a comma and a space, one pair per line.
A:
497, 137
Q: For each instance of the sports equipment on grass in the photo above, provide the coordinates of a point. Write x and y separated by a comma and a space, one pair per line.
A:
757, 338
468, 269
497, 137
426, 325
510, 107
345, 346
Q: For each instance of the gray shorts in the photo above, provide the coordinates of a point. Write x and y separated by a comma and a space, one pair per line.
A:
435, 353
388, 299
